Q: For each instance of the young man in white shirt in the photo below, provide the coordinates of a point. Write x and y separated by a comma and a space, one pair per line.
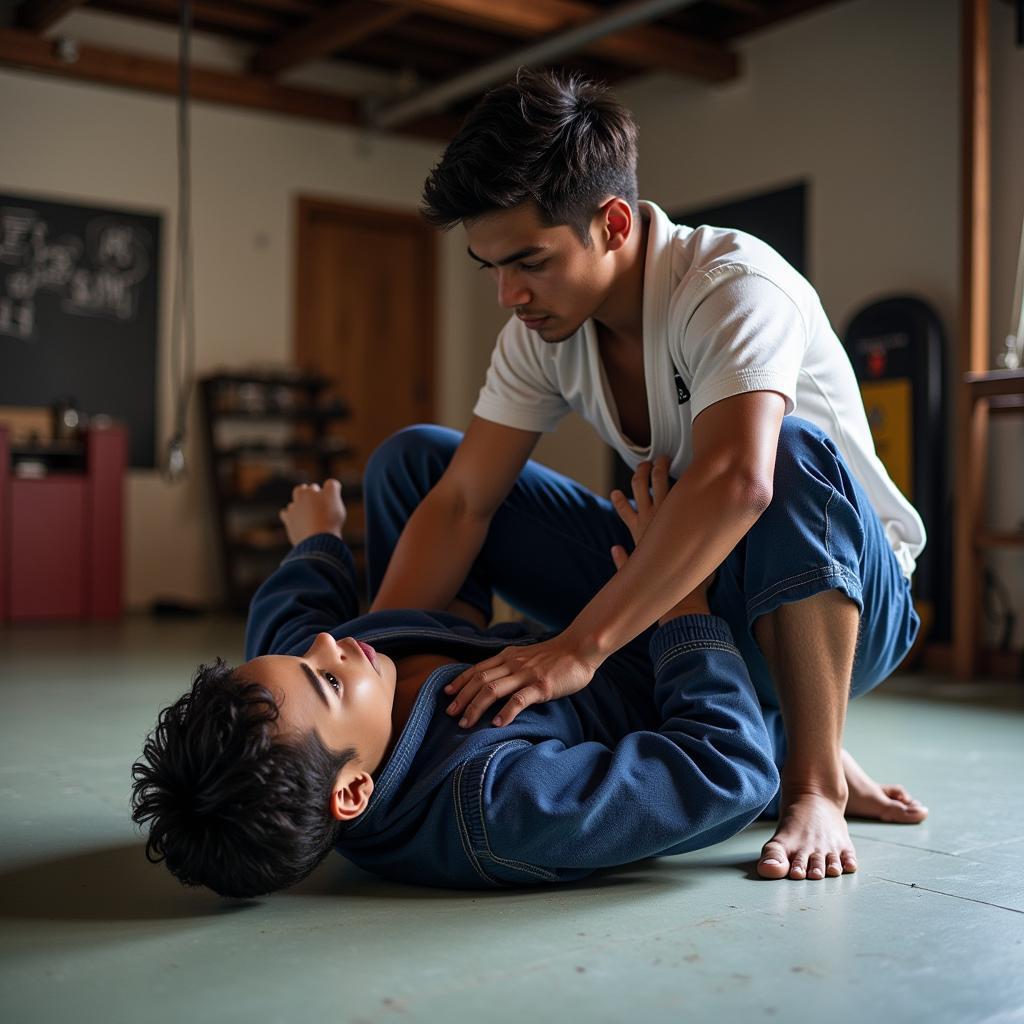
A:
704, 352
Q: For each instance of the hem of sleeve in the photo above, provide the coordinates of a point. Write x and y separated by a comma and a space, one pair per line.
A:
742, 384
508, 417
699, 630
321, 544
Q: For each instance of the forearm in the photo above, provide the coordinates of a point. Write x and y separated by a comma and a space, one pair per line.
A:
432, 558
313, 590
702, 519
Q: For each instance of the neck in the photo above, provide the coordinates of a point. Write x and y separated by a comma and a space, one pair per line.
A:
622, 312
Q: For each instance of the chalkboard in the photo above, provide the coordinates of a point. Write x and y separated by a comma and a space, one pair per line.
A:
78, 312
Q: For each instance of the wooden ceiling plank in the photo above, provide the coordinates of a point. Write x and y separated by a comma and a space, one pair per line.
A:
646, 46
23, 49
205, 15
344, 25
39, 15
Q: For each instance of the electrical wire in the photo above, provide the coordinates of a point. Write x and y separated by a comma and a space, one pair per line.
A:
183, 327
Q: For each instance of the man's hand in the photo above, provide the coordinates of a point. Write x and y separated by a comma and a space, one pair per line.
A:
532, 675
650, 485
313, 511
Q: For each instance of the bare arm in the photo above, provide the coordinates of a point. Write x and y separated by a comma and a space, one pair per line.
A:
711, 507
444, 535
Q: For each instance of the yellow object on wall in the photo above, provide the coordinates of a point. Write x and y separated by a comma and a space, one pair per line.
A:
889, 406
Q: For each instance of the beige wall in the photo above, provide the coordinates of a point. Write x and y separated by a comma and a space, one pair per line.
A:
860, 98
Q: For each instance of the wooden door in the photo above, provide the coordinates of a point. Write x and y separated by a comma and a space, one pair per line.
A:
365, 311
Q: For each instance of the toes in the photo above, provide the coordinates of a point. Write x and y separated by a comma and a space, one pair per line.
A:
816, 866
848, 859
773, 863
897, 793
833, 865
798, 866
903, 811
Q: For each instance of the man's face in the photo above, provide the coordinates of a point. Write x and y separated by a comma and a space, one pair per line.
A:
546, 275
343, 690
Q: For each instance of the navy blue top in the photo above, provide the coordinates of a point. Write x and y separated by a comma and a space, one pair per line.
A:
654, 757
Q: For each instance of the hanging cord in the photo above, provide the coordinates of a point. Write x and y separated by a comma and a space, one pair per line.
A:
183, 341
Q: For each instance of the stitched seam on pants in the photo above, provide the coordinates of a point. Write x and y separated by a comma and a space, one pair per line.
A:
834, 570
695, 645
828, 525
467, 845
529, 869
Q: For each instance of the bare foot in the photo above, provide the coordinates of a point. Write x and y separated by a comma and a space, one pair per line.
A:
811, 842
881, 803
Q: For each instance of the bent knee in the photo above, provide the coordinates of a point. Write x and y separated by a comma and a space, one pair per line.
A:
408, 448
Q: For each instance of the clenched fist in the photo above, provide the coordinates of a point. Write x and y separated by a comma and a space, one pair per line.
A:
314, 510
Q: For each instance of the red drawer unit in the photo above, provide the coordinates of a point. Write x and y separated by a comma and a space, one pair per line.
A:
61, 535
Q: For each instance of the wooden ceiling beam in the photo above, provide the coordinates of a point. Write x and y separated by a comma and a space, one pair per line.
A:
206, 15
22, 49
344, 25
39, 15
645, 46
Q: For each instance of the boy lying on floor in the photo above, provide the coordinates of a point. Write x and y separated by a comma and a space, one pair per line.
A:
333, 735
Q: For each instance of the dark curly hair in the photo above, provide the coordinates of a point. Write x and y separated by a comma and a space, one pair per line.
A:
561, 141
231, 805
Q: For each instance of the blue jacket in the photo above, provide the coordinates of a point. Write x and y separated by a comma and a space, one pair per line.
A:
656, 756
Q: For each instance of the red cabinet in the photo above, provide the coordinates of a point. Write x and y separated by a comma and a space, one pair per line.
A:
61, 535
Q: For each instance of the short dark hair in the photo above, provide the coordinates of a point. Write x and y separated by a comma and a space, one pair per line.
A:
230, 804
560, 141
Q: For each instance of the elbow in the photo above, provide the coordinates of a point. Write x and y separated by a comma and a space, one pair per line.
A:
751, 491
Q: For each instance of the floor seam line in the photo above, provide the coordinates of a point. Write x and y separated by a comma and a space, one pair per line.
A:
905, 846
951, 895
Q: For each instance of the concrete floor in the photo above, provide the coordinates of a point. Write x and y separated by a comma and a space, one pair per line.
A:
930, 929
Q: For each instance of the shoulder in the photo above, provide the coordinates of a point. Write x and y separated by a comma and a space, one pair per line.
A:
716, 261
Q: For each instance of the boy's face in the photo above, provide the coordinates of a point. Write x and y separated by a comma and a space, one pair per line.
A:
546, 275
342, 689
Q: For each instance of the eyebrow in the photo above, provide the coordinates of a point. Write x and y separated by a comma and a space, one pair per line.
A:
522, 254
314, 681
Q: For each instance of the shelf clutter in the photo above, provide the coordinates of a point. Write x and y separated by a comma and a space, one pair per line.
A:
266, 432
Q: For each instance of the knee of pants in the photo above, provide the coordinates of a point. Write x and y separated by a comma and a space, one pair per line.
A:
420, 451
812, 485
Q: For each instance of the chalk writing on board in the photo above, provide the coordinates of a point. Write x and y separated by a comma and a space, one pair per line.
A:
98, 275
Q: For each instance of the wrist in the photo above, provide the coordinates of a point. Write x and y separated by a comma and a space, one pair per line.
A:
592, 647
334, 531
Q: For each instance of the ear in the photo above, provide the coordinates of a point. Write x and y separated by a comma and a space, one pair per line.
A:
350, 796
617, 223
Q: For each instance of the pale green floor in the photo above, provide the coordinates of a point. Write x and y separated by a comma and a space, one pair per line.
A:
930, 929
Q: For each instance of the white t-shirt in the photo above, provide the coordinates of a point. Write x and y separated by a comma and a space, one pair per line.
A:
730, 315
